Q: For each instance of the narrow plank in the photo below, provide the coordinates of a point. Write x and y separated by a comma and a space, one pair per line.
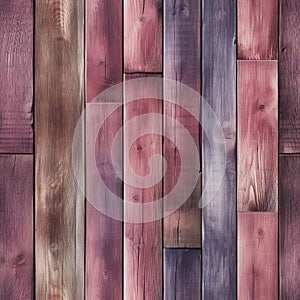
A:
289, 212
218, 88
16, 227
59, 93
16, 76
182, 63
289, 77
258, 255
182, 274
142, 36
257, 29
257, 136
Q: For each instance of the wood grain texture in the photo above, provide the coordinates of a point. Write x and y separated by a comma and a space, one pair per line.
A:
218, 88
289, 77
289, 191
16, 76
257, 29
182, 274
182, 63
142, 36
16, 227
59, 94
257, 136
257, 255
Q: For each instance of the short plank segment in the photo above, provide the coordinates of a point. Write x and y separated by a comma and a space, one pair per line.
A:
182, 274
16, 76
257, 136
257, 255
59, 102
289, 77
289, 212
16, 227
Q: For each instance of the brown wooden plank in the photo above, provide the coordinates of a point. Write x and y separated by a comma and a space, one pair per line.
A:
289, 77
257, 255
289, 191
143, 36
257, 29
16, 76
59, 93
257, 136
182, 274
16, 227
182, 63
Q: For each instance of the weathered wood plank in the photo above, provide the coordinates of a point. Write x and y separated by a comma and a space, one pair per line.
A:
258, 255
16, 76
182, 63
289, 212
218, 88
257, 136
182, 274
257, 29
289, 77
59, 101
16, 227
142, 36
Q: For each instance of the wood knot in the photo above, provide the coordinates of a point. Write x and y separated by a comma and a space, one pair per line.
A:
260, 106
261, 232
139, 148
105, 274
20, 260
135, 198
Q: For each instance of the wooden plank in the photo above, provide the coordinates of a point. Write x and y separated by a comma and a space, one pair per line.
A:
182, 274
257, 29
289, 77
257, 255
218, 88
289, 212
16, 76
182, 63
142, 36
142, 241
59, 93
257, 136
16, 227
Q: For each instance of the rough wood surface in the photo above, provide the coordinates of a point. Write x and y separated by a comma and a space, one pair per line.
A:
257, 255
289, 77
257, 136
59, 93
16, 227
16, 76
182, 274
257, 29
289, 210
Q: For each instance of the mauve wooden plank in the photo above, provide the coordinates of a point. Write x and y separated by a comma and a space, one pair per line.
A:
16, 227
142, 36
257, 136
218, 88
257, 29
289, 77
182, 274
289, 215
59, 99
257, 255
16, 76
182, 63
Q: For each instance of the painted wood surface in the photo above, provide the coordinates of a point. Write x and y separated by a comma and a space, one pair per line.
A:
289, 77
142, 36
182, 63
257, 136
182, 274
289, 190
257, 255
59, 93
257, 29
16, 227
16, 76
